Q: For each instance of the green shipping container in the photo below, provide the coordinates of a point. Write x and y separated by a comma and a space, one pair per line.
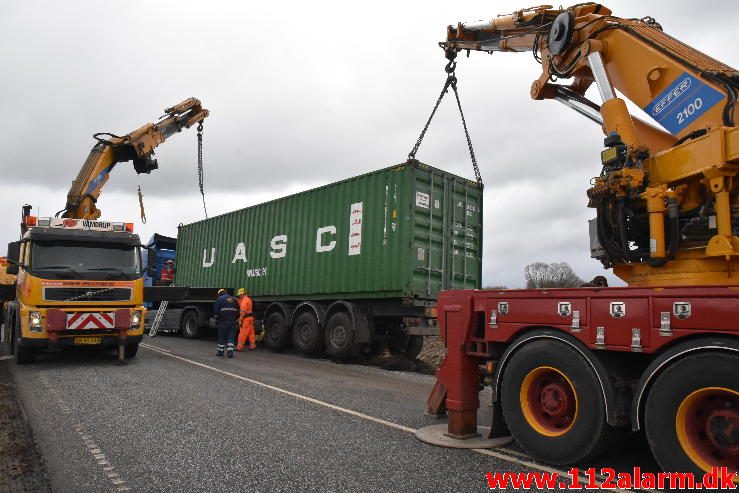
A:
407, 232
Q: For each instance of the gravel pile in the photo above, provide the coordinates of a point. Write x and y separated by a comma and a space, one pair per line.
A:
433, 352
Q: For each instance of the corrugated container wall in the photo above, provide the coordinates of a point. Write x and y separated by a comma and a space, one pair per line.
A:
401, 232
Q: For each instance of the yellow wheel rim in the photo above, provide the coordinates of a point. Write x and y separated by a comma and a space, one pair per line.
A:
707, 426
549, 401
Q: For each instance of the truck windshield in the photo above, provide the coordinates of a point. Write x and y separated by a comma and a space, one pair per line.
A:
57, 260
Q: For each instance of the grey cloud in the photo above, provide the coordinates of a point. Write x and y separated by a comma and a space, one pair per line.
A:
301, 94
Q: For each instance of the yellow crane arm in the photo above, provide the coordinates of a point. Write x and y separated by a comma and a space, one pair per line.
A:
633, 56
667, 197
137, 146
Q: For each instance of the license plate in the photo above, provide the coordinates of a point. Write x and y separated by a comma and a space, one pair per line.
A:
88, 340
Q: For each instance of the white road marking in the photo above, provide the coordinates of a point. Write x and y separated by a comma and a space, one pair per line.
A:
286, 392
367, 417
516, 452
86, 438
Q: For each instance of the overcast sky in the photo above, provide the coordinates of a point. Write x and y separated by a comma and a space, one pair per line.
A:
302, 94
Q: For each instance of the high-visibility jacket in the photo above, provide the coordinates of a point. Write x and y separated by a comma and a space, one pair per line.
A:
245, 306
246, 331
226, 308
167, 274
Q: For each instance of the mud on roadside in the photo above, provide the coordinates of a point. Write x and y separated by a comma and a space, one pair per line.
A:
428, 360
21, 465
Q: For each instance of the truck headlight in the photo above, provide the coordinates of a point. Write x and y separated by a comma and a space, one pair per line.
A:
35, 323
136, 318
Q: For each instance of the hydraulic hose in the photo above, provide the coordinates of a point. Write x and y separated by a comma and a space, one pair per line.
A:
674, 216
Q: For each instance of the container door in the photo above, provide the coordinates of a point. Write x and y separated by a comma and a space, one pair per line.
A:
464, 238
446, 241
429, 229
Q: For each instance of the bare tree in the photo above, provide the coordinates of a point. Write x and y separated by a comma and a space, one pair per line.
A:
554, 275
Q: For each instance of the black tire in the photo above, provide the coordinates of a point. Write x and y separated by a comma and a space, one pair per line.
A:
190, 325
277, 336
415, 346
8, 335
409, 345
23, 355
586, 432
307, 334
377, 347
3, 328
340, 337
689, 376
131, 350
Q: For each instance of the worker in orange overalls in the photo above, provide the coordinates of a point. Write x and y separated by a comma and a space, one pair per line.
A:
246, 321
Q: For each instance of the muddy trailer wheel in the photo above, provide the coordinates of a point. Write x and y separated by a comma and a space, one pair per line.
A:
409, 345
190, 325
553, 404
340, 337
414, 347
277, 335
308, 335
691, 416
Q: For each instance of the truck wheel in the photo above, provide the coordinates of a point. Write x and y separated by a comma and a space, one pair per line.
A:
553, 404
23, 355
277, 335
307, 334
415, 345
8, 335
410, 345
190, 325
131, 350
691, 416
340, 337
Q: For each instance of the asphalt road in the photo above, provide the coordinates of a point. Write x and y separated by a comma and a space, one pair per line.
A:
177, 418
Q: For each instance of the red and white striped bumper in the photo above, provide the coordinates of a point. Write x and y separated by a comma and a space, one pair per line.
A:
87, 320
59, 320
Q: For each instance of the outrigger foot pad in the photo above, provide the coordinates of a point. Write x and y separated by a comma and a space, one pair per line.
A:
438, 435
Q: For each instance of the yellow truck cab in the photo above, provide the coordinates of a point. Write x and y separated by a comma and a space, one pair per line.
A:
79, 283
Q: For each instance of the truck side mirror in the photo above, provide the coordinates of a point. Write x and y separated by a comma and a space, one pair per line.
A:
14, 253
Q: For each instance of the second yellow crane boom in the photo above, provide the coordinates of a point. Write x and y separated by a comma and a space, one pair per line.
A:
137, 146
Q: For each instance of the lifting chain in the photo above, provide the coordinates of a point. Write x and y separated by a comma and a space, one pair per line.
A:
141, 203
451, 81
200, 165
